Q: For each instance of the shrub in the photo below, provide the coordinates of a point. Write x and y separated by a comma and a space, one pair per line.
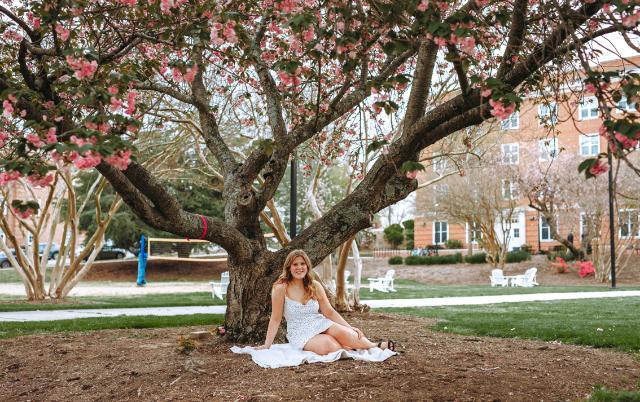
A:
397, 260
527, 248
565, 255
452, 243
434, 260
394, 234
477, 258
408, 233
517, 256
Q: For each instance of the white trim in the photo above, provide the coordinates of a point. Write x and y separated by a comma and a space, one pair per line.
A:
551, 117
504, 154
548, 149
507, 124
630, 224
434, 232
550, 239
590, 136
588, 104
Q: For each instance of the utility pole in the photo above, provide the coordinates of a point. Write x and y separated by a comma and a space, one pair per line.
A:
612, 233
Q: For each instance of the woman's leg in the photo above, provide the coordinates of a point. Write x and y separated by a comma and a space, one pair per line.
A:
349, 338
322, 344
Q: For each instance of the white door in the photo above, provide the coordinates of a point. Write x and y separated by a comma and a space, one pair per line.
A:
517, 238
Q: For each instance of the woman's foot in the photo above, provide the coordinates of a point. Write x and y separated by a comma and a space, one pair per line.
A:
387, 345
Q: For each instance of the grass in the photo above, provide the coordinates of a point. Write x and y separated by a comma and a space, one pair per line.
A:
610, 323
12, 329
407, 289
12, 303
602, 394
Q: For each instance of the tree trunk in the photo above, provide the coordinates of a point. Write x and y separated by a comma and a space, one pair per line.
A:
249, 299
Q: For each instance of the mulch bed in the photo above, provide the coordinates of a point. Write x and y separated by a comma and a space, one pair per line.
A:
145, 364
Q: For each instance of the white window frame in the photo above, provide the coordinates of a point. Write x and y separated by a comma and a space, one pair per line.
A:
439, 190
586, 108
512, 122
512, 192
541, 224
440, 232
548, 149
587, 140
469, 232
625, 106
550, 115
509, 151
629, 224
439, 163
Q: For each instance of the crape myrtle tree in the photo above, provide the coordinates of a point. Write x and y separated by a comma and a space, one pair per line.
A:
77, 77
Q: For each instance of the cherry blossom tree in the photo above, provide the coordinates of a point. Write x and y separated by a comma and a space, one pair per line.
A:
78, 77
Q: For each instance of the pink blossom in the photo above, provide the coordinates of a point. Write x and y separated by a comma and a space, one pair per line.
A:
11, 35
83, 68
23, 214
129, 3
8, 108
482, 3
627, 143
112, 90
412, 174
191, 73
500, 110
468, 44
6, 177
309, 34
35, 140
51, 136
589, 87
116, 104
40, 181
3, 138
62, 32
120, 160
599, 168
441, 42
88, 160
424, 4
131, 102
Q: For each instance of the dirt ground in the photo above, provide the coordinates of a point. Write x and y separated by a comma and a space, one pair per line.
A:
145, 364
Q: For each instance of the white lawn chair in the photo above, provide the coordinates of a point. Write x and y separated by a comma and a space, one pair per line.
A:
498, 279
384, 284
528, 280
219, 289
347, 285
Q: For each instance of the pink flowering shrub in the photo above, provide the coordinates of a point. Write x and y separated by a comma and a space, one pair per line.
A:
585, 268
560, 265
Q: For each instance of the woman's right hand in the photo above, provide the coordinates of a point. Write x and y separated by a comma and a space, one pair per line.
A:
261, 347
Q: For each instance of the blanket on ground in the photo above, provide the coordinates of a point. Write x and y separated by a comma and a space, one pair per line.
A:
285, 355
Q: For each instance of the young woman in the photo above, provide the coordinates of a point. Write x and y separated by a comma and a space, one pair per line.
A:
312, 324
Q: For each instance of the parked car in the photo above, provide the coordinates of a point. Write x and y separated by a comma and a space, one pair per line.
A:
4, 260
111, 253
53, 251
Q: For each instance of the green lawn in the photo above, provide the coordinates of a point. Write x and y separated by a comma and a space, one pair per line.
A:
407, 289
12, 303
12, 329
613, 323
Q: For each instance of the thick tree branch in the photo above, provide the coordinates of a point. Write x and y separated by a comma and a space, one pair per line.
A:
421, 83
463, 81
516, 35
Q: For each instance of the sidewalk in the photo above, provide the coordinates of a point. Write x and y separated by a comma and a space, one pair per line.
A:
53, 315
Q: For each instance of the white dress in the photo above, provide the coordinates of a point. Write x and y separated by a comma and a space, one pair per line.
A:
304, 321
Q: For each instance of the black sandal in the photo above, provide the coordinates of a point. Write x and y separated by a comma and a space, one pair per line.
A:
391, 345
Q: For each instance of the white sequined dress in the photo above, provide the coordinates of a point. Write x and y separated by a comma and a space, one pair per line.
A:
304, 321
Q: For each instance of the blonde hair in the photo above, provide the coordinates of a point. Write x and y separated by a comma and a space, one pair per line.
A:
286, 276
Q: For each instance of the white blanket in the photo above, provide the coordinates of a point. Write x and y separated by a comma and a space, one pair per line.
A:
284, 355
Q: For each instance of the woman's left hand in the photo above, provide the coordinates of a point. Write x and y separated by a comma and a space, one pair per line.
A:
358, 331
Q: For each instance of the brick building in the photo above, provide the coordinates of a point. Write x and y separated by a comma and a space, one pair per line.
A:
525, 140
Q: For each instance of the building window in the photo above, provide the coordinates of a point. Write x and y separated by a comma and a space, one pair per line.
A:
548, 113
545, 230
30, 240
439, 193
628, 222
548, 149
625, 106
440, 232
516, 233
512, 122
589, 145
588, 108
510, 154
509, 189
473, 232
439, 164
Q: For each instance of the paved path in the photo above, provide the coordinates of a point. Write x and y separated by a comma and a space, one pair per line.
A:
117, 288
52, 315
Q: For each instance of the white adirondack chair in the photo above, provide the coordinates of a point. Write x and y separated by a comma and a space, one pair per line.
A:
347, 285
498, 279
528, 280
384, 284
219, 289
